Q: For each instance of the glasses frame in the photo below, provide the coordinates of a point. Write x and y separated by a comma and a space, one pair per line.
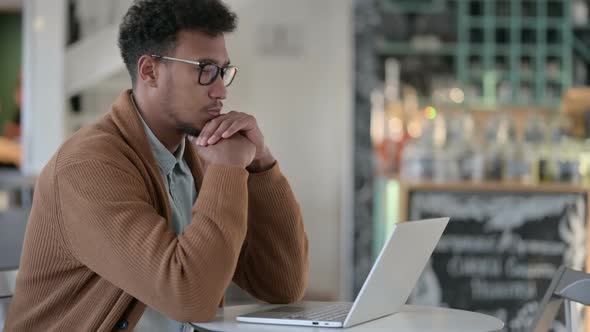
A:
220, 70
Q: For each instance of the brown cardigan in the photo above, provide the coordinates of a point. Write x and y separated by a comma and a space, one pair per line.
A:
99, 236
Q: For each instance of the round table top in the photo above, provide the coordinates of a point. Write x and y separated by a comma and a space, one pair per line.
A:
410, 318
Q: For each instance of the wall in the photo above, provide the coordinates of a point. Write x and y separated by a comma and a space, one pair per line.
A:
10, 62
296, 78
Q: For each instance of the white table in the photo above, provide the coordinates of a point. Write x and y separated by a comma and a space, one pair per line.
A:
411, 318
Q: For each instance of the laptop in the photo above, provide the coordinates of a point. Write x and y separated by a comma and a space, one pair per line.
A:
387, 288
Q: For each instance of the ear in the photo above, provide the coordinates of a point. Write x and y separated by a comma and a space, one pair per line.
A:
147, 70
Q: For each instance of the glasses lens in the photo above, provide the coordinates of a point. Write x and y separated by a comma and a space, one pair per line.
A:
228, 74
208, 74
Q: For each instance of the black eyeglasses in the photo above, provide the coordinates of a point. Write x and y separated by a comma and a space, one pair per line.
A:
208, 71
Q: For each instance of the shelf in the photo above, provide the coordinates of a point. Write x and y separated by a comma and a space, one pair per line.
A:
492, 186
478, 75
481, 49
522, 22
505, 76
530, 53
412, 6
479, 104
406, 48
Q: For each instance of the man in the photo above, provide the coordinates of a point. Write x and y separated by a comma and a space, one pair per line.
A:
165, 200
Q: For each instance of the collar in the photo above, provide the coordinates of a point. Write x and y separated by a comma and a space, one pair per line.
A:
166, 160
123, 121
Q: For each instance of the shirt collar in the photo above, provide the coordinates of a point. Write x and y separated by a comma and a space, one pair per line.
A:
165, 159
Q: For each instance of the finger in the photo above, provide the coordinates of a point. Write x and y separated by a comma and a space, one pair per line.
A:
209, 129
243, 124
216, 136
198, 139
212, 126
192, 139
232, 130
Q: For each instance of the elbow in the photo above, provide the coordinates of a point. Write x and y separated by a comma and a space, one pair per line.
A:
292, 291
298, 290
204, 316
201, 314
287, 297
296, 283
292, 297
299, 282
194, 306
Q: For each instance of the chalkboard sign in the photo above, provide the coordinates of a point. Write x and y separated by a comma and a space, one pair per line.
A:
500, 250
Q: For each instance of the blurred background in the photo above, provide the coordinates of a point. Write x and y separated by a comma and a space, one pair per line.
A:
379, 111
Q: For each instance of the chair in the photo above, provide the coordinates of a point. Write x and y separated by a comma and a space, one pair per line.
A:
12, 232
4, 305
7, 280
16, 193
567, 286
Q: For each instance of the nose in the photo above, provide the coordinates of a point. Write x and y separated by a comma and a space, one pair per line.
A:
218, 90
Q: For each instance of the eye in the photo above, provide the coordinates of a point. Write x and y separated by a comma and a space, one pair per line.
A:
209, 69
208, 73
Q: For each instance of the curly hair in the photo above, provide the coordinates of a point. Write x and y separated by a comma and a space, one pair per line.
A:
152, 26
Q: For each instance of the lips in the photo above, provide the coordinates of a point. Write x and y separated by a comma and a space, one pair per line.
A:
214, 112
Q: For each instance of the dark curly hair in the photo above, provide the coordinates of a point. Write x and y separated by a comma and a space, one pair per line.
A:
152, 26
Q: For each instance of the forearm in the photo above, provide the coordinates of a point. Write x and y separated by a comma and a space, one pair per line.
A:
265, 163
273, 264
207, 252
116, 233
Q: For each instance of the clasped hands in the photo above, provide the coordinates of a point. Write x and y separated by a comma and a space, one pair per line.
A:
234, 139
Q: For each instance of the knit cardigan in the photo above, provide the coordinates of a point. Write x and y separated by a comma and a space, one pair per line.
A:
99, 244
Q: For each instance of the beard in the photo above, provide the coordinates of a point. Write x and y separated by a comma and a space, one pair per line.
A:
182, 127
188, 129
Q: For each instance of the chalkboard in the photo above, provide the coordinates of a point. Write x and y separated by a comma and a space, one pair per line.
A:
500, 250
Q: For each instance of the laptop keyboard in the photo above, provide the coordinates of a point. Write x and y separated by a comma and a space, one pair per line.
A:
331, 313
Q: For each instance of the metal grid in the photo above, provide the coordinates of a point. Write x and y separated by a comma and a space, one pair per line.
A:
508, 52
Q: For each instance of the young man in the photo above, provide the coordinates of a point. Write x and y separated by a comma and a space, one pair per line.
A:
165, 200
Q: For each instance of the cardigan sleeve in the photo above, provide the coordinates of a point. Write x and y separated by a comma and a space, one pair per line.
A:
112, 227
273, 265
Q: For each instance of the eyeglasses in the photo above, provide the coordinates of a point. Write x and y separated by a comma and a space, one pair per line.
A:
208, 71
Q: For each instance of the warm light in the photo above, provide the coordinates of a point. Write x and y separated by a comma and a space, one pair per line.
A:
377, 117
430, 112
415, 129
377, 127
39, 23
457, 95
396, 128
410, 101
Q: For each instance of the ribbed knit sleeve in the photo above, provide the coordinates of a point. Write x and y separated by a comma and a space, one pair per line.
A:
112, 227
273, 265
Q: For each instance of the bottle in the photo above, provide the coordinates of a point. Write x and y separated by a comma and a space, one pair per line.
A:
498, 134
464, 148
534, 137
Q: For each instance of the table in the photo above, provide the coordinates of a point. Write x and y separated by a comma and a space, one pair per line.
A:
410, 318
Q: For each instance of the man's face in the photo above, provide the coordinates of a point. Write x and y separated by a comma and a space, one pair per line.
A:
191, 105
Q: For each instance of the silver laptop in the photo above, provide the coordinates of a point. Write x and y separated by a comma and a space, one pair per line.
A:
386, 289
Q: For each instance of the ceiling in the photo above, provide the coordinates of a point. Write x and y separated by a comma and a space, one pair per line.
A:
11, 5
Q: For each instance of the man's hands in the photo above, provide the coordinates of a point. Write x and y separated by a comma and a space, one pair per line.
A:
226, 126
234, 151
